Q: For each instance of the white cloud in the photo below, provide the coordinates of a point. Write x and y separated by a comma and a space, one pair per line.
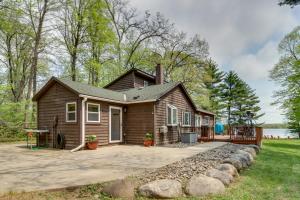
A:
231, 27
242, 35
256, 65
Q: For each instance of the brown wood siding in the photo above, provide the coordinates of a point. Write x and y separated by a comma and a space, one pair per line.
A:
101, 130
131, 80
178, 99
53, 103
139, 120
124, 83
139, 81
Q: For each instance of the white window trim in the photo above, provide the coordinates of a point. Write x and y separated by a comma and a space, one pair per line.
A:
198, 116
183, 116
87, 112
172, 108
67, 112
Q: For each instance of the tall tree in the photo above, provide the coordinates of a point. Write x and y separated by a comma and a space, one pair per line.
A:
287, 74
247, 101
73, 29
36, 11
99, 42
229, 93
212, 78
132, 32
15, 48
237, 98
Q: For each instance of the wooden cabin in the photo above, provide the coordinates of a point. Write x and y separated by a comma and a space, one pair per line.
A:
123, 111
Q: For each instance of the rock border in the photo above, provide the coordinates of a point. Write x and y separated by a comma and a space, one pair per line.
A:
218, 174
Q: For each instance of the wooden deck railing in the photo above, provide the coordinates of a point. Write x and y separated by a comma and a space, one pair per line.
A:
240, 135
237, 135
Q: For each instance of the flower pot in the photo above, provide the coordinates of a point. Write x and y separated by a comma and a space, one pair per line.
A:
148, 143
92, 145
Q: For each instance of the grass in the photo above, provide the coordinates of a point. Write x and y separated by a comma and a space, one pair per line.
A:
275, 176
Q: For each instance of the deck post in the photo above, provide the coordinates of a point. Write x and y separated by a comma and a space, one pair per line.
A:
259, 135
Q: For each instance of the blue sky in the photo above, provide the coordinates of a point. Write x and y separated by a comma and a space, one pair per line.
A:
243, 36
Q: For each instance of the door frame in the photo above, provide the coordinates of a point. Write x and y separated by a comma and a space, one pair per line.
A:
121, 124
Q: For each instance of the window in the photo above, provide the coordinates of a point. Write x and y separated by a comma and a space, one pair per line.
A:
146, 83
93, 112
197, 120
71, 112
206, 120
186, 119
172, 117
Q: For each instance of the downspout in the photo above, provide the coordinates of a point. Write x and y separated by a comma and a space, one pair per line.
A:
82, 126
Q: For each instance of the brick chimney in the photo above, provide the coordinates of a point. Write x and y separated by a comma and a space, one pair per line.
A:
159, 76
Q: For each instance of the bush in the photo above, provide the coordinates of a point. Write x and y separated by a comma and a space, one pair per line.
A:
149, 136
91, 138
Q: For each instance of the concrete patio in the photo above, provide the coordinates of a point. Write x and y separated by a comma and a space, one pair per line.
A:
22, 169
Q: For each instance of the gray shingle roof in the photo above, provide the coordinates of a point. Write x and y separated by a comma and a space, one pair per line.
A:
152, 92
86, 89
149, 93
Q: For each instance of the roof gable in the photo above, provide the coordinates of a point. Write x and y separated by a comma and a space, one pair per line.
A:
81, 88
186, 94
136, 72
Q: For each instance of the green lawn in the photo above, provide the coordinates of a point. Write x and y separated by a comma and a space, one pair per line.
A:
275, 176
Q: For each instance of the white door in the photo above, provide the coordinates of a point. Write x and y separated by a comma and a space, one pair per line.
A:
115, 124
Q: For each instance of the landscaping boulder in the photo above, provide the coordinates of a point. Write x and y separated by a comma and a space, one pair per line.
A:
236, 162
242, 158
224, 177
123, 189
201, 185
255, 147
228, 168
163, 189
249, 157
251, 151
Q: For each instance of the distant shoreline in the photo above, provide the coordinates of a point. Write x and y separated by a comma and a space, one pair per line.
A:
275, 126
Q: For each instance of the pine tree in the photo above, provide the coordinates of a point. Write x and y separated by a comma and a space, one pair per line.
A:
212, 79
229, 94
246, 102
238, 98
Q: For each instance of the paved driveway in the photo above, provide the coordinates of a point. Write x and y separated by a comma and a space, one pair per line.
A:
22, 169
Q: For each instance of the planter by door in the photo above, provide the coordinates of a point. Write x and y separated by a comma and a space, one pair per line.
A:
115, 124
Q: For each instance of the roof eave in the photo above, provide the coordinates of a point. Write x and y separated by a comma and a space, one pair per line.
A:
207, 112
116, 101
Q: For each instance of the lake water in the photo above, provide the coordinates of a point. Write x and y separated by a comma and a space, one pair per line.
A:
282, 133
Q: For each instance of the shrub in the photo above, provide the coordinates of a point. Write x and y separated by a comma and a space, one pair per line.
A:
149, 136
91, 138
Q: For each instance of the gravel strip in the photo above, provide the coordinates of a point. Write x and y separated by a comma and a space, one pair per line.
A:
178, 145
198, 164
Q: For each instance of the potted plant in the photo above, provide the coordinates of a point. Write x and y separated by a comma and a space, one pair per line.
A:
92, 142
148, 141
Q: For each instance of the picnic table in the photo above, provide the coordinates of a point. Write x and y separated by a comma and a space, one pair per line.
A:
37, 133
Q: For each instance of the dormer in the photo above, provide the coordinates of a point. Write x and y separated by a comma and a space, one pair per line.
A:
136, 78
